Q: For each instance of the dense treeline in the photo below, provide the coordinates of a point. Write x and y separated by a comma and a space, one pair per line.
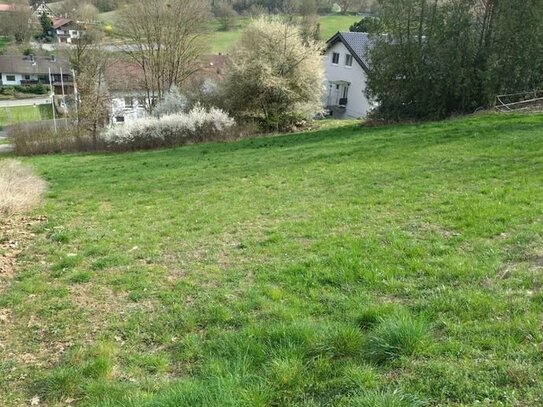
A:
303, 7
439, 58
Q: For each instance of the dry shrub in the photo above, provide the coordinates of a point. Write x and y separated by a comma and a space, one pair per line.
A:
20, 188
41, 138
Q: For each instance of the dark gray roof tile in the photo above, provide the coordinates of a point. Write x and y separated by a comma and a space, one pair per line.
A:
358, 43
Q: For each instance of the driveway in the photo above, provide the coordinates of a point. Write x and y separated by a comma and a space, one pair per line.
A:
25, 102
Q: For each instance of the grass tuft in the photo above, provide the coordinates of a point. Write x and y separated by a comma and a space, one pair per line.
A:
340, 342
397, 335
382, 399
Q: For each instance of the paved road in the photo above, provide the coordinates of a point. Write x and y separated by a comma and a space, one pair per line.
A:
25, 102
6, 148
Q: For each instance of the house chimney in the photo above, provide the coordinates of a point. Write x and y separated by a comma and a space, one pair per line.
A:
53, 58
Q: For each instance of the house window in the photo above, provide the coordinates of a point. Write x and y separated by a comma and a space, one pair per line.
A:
27, 77
119, 119
10, 78
335, 58
348, 60
128, 102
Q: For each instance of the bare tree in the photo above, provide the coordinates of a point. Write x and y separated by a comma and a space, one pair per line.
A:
15, 23
165, 39
345, 5
89, 61
225, 15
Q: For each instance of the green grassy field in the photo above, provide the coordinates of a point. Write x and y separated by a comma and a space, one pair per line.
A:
223, 41
19, 114
395, 266
3, 42
334, 23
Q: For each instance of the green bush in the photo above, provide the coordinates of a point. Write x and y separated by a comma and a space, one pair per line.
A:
38, 89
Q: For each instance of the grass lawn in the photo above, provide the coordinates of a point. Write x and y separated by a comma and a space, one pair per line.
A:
19, 114
3, 42
342, 267
223, 41
333, 23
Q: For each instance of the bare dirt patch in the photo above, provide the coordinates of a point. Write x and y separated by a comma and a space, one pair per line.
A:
15, 235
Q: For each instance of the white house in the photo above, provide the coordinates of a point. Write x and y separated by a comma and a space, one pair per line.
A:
125, 83
30, 70
125, 86
346, 70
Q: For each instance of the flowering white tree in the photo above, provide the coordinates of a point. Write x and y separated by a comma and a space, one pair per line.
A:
277, 76
199, 124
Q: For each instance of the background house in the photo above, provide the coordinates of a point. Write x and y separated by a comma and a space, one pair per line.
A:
12, 7
125, 84
66, 30
42, 8
346, 69
128, 97
30, 70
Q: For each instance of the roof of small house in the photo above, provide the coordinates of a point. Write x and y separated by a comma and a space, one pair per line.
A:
18, 64
357, 43
61, 22
126, 76
7, 7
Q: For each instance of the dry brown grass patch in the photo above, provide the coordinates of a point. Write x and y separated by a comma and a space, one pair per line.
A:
20, 188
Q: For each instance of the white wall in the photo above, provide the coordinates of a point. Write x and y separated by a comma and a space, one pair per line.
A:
18, 78
358, 104
119, 108
17, 81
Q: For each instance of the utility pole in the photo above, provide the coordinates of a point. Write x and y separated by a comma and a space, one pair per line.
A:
53, 101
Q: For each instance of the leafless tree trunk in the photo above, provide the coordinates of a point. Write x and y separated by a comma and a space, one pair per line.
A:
165, 39
89, 60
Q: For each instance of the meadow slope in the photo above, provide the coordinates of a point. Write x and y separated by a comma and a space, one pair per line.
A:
394, 266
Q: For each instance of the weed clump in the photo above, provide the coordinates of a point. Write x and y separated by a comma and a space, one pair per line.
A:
395, 336
382, 399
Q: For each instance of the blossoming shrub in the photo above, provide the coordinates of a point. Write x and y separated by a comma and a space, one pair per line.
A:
198, 125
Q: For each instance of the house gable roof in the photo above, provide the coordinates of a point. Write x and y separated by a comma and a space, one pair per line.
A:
127, 77
357, 43
61, 22
15, 64
6, 8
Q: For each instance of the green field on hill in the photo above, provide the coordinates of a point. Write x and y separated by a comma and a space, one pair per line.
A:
223, 41
348, 266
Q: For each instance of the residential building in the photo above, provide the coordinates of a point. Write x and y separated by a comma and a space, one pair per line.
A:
12, 7
346, 70
125, 83
66, 30
30, 70
42, 8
